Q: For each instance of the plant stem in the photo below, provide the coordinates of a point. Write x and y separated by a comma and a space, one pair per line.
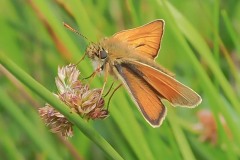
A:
57, 104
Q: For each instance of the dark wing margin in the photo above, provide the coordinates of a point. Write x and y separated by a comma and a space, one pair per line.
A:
145, 96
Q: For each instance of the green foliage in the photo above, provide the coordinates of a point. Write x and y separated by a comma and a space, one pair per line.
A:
200, 45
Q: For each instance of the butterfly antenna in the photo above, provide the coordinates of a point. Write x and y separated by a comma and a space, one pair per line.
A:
75, 31
78, 33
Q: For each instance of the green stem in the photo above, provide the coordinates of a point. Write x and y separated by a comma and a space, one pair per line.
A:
233, 34
57, 104
181, 139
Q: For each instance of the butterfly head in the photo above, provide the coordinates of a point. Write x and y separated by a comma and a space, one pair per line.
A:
98, 55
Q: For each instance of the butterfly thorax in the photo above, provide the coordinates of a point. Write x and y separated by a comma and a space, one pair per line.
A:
116, 49
108, 50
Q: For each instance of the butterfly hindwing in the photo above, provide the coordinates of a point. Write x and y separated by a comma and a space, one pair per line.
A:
145, 97
166, 86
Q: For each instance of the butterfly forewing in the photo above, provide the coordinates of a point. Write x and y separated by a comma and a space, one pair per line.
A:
145, 39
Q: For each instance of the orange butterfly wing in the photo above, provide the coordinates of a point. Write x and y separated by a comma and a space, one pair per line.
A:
145, 97
148, 86
167, 87
145, 40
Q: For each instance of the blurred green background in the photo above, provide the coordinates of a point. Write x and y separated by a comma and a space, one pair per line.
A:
201, 45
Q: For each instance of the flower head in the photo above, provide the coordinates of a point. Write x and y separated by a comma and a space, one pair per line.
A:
56, 121
207, 126
88, 103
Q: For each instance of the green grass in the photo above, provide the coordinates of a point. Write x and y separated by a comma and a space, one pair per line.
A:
200, 45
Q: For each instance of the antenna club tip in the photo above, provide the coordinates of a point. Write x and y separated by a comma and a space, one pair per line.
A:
65, 24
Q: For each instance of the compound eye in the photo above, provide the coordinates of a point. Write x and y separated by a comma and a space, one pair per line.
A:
103, 54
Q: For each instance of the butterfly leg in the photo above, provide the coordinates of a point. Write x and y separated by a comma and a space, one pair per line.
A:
92, 75
105, 77
109, 90
81, 58
113, 94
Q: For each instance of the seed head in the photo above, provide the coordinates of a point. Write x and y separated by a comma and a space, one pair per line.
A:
87, 103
